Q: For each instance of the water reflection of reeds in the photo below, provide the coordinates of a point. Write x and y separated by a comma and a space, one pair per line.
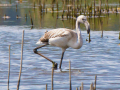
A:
70, 9
48, 13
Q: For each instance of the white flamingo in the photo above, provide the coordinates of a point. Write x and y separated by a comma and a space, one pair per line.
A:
64, 38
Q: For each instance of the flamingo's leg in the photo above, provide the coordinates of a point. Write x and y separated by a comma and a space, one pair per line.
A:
35, 51
61, 59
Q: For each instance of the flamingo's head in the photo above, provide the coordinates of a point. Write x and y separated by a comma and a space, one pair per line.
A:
83, 19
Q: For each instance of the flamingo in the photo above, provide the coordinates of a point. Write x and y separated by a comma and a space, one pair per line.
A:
63, 38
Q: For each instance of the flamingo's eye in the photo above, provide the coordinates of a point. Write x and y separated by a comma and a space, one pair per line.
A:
83, 19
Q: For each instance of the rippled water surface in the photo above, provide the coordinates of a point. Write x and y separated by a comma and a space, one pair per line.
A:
100, 57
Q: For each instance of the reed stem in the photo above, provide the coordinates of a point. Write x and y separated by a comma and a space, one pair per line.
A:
46, 87
52, 78
82, 86
95, 82
89, 38
9, 68
94, 8
91, 86
70, 74
76, 88
31, 20
21, 61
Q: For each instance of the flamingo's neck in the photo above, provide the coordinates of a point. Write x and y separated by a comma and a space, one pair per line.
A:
79, 36
78, 30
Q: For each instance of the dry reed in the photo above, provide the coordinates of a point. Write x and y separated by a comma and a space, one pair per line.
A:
18, 84
9, 68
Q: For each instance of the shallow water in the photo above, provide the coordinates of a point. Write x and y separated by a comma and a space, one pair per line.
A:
100, 57
54, 19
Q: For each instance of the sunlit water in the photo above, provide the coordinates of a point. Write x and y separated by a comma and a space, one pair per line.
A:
100, 57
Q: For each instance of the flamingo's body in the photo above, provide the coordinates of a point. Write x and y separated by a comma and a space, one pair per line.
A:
65, 38
61, 37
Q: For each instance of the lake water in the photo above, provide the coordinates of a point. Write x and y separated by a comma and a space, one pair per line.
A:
100, 57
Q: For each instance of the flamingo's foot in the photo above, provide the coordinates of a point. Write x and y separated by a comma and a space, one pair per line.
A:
55, 65
35, 50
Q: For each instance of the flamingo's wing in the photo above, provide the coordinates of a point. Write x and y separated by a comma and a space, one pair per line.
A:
53, 34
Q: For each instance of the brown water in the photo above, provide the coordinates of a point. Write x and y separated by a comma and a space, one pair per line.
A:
100, 57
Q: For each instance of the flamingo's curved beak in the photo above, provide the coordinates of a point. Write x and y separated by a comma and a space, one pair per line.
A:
87, 26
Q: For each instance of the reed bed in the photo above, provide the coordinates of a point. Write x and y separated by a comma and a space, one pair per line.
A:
73, 8
70, 9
